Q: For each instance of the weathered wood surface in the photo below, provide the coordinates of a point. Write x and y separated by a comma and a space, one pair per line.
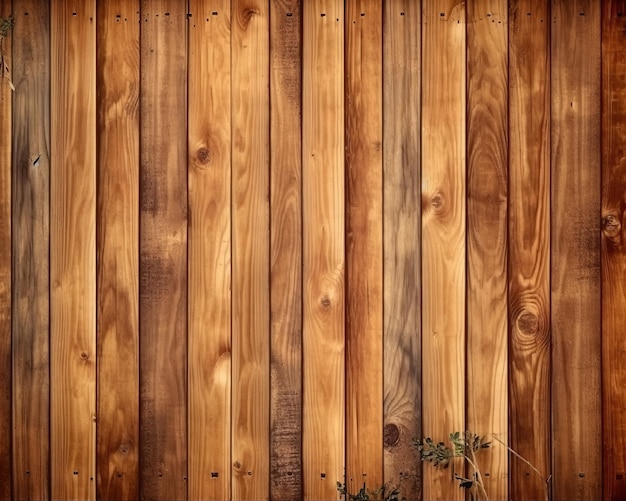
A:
529, 246
163, 251
72, 250
401, 244
575, 250
286, 250
487, 172
323, 229
364, 249
443, 230
117, 248
613, 250
31, 238
209, 250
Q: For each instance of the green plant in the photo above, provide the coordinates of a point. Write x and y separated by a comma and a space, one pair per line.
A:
6, 25
383, 493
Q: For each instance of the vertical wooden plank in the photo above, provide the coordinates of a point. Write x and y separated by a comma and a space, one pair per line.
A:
286, 249
31, 233
117, 250
5, 261
443, 229
529, 246
401, 247
323, 247
364, 246
209, 146
575, 250
251, 245
613, 250
487, 165
72, 249
163, 251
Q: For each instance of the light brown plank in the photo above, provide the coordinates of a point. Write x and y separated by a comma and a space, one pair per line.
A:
401, 244
286, 249
163, 251
613, 250
209, 144
487, 171
529, 246
323, 230
251, 246
117, 248
31, 233
72, 249
443, 230
5, 259
575, 250
364, 251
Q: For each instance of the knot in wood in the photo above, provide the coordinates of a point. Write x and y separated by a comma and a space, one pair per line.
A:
84, 356
325, 302
437, 201
611, 226
391, 435
203, 155
528, 323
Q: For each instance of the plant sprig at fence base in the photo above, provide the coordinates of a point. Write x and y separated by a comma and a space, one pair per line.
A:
6, 25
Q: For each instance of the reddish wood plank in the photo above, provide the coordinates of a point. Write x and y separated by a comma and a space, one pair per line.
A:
286, 249
72, 249
575, 250
209, 146
487, 166
529, 246
31, 233
443, 230
613, 250
401, 244
364, 250
117, 248
163, 251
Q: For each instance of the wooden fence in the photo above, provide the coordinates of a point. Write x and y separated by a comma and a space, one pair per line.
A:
248, 247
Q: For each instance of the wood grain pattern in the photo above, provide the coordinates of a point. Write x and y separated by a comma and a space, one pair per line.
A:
443, 230
209, 317
487, 172
364, 249
575, 250
5, 262
72, 249
323, 229
31, 234
117, 250
251, 246
529, 246
163, 251
286, 250
613, 250
401, 244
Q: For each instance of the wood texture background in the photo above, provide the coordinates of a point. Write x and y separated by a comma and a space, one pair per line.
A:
250, 249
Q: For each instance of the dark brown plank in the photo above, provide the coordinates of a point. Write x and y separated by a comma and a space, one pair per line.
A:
117, 248
163, 251
286, 250
613, 249
401, 270
529, 247
31, 233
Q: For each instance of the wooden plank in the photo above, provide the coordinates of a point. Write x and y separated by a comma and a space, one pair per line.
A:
209, 145
163, 251
613, 250
5, 256
364, 249
31, 234
401, 270
487, 172
575, 250
323, 247
117, 248
529, 246
286, 249
251, 246
72, 249
443, 230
